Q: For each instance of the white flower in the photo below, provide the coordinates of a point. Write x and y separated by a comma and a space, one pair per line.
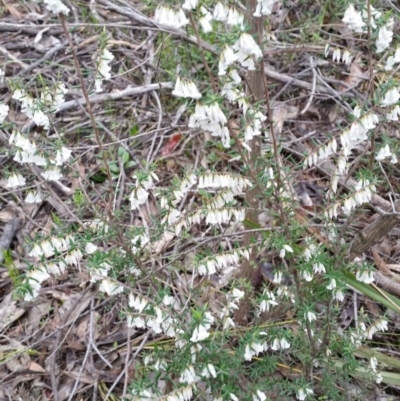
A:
209, 370
41, 119
103, 69
303, 392
170, 18
200, 333
278, 277
285, 248
385, 37
264, 7
34, 278
353, 19
383, 153
307, 275
246, 49
56, 7
269, 300
393, 115
109, 287
201, 330
280, 343
260, 396
220, 12
378, 378
373, 363
205, 20
33, 197
310, 316
338, 294
90, 248
375, 14
56, 269
15, 180
62, 156
235, 18
254, 127
188, 375
382, 325
347, 57
336, 55
190, 4
319, 268
138, 197
365, 276
186, 88
58, 97
3, 112
137, 303
73, 257
252, 349
331, 285
226, 59
48, 248
392, 60
211, 119
392, 96
237, 295
52, 174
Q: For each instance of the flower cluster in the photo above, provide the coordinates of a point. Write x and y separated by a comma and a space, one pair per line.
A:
152, 317
140, 193
345, 57
170, 18
56, 7
211, 118
186, 88
213, 264
364, 190
103, 69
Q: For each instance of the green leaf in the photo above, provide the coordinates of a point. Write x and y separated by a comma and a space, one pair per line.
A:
381, 296
114, 168
123, 154
134, 130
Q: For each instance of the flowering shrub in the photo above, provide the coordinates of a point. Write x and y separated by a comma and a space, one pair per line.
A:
190, 293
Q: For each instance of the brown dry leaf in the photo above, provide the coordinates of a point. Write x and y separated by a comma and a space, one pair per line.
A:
65, 390
281, 112
151, 208
355, 77
396, 268
35, 367
72, 308
20, 363
163, 243
36, 314
13, 11
9, 312
384, 247
79, 167
82, 330
380, 263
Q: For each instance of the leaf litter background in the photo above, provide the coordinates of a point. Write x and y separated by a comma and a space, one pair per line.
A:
71, 340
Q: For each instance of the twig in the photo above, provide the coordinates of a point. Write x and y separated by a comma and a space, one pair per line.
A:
8, 234
13, 58
206, 66
139, 348
48, 55
128, 353
88, 105
314, 83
